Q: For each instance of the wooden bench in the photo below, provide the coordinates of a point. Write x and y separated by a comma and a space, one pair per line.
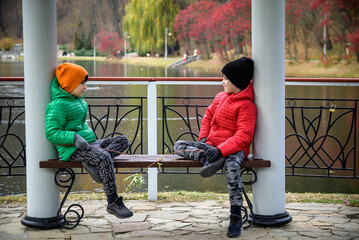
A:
132, 161
143, 161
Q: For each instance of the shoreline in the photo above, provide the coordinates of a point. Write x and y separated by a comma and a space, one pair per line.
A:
311, 69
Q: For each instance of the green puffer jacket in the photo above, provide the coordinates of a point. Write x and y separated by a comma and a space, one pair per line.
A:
65, 116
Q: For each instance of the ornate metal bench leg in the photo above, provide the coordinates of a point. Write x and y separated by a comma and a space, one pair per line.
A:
64, 178
247, 218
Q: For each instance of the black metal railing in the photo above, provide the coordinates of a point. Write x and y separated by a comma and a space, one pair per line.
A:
321, 134
321, 138
111, 116
12, 136
108, 117
186, 114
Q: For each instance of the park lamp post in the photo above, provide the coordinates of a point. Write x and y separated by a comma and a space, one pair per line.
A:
167, 32
94, 46
125, 43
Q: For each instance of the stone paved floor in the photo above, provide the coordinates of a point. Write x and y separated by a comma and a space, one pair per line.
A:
191, 220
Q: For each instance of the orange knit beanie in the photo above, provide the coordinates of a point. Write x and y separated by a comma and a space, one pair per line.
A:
70, 76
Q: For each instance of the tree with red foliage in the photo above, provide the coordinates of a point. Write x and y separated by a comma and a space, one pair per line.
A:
300, 26
342, 19
230, 28
110, 43
210, 26
354, 43
191, 26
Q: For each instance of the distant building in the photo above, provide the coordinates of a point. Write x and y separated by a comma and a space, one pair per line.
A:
18, 48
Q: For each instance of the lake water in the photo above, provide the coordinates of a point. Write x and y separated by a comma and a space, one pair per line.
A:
171, 182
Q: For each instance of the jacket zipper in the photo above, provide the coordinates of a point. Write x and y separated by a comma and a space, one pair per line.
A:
83, 108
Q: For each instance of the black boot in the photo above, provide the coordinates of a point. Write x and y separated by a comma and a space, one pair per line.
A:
235, 224
211, 168
119, 209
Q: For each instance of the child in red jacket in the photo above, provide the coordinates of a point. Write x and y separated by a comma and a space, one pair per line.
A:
226, 133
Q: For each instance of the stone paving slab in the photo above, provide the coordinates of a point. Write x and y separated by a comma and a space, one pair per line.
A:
190, 220
93, 236
130, 227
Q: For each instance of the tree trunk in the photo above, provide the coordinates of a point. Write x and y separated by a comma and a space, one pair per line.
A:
18, 20
114, 8
340, 52
306, 36
2, 26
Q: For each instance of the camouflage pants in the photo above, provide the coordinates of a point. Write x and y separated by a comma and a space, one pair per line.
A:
102, 159
190, 150
232, 166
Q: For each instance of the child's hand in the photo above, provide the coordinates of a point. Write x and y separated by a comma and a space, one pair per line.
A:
213, 154
203, 140
81, 143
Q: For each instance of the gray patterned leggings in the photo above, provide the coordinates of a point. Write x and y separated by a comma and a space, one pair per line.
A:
102, 159
232, 166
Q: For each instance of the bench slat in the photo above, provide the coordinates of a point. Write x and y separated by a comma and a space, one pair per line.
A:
138, 161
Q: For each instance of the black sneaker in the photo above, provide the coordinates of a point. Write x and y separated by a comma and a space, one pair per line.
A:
92, 170
119, 209
235, 226
211, 168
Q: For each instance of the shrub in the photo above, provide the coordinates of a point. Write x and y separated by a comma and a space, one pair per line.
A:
7, 44
63, 47
88, 53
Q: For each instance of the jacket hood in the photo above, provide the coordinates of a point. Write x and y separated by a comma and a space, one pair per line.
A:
247, 93
58, 92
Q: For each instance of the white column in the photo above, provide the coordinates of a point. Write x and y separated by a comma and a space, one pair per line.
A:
152, 137
268, 52
152, 183
40, 61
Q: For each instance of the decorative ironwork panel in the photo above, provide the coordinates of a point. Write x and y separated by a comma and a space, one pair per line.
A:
181, 119
321, 137
12, 136
108, 117
113, 116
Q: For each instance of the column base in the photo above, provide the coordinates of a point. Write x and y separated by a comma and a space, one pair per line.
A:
41, 223
271, 220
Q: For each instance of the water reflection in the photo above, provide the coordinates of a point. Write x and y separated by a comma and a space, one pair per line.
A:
113, 69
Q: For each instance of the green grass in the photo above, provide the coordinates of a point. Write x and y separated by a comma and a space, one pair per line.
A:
318, 69
185, 196
81, 58
148, 61
314, 69
141, 61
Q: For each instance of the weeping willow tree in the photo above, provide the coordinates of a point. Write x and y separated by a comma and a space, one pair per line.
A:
145, 22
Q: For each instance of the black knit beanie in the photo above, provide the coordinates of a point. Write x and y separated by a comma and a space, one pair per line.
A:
239, 72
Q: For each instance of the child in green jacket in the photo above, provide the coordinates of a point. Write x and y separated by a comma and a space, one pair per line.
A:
67, 129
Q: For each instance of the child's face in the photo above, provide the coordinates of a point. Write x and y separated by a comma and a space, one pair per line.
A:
228, 85
80, 89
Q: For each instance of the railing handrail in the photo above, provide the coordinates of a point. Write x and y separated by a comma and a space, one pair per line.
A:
204, 79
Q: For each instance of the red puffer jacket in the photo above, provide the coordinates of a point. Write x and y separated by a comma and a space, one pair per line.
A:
230, 121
